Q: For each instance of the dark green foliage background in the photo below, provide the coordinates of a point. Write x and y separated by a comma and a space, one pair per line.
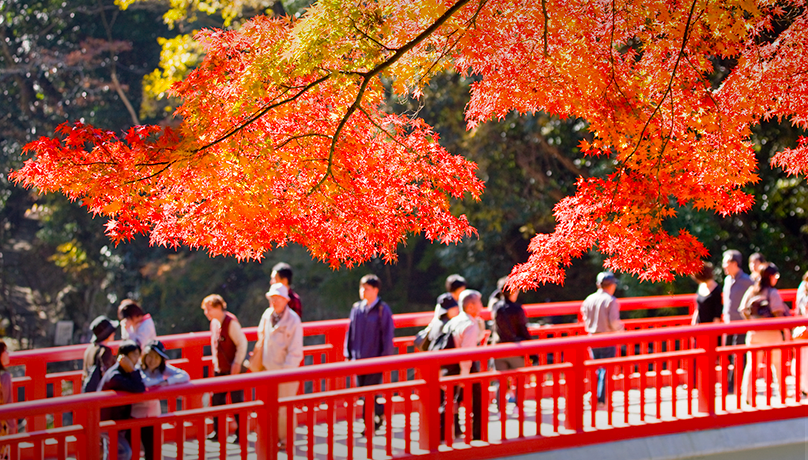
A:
527, 161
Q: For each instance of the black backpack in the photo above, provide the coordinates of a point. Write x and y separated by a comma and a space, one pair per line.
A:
95, 372
445, 341
760, 308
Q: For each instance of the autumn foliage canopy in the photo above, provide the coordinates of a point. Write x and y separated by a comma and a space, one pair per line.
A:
283, 135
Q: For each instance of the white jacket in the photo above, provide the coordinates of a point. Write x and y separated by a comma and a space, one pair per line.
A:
283, 343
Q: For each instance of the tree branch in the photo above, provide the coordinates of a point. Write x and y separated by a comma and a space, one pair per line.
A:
261, 113
367, 76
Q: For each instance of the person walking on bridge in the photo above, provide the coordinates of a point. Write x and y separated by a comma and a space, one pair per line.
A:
736, 284
280, 343
601, 313
228, 347
370, 335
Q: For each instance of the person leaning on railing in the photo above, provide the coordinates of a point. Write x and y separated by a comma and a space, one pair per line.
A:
123, 376
155, 371
763, 301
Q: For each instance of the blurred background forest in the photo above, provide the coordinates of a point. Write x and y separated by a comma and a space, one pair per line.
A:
109, 64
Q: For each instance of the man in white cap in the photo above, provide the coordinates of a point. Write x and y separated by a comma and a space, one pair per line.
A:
280, 339
601, 313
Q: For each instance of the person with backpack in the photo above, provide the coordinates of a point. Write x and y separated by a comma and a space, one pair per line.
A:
98, 357
463, 331
370, 335
762, 300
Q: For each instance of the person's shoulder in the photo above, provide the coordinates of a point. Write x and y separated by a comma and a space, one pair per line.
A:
293, 316
385, 307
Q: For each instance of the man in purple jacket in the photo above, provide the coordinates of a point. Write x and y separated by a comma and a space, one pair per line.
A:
370, 334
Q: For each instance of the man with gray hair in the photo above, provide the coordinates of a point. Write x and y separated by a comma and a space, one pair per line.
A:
466, 334
736, 284
601, 313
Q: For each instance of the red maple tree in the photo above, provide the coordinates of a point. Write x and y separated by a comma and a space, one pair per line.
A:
284, 135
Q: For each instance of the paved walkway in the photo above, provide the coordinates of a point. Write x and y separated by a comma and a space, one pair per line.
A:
531, 427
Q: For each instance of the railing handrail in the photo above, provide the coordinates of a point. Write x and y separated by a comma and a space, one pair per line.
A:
381, 364
401, 320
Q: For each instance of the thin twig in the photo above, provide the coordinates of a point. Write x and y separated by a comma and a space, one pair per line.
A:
261, 113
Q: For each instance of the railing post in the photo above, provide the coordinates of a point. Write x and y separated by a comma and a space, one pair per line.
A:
429, 395
195, 369
705, 371
92, 433
575, 387
37, 369
336, 338
266, 422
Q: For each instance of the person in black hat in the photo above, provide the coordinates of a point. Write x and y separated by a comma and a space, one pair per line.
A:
99, 354
155, 371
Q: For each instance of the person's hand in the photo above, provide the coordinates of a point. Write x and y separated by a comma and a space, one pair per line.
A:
126, 363
235, 368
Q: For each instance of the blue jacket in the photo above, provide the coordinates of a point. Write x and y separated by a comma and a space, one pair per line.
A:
370, 334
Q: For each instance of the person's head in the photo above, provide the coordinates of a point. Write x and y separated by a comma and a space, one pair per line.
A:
455, 284
5, 359
755, 261
607, 282
705, 274
369, 287
103, 329
214, 306
154, 356
731, 262
130, 311
768, 274
281, 273
505, 292
278, 296
129, 350
472, 302
447, 307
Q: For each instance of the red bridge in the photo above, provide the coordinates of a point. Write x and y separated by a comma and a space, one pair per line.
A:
668, 377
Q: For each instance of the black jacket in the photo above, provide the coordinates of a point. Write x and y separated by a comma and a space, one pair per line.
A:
510, 322
117, 379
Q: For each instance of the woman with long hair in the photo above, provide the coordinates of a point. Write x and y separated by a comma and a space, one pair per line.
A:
762, 300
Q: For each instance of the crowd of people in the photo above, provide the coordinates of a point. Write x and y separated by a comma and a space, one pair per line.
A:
141, 360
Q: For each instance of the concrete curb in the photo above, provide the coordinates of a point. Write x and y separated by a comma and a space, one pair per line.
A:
691, 445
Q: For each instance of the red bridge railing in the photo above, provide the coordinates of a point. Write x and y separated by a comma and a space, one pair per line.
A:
643, 400
38, 383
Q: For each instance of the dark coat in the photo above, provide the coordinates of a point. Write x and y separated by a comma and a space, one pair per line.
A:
370, 334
